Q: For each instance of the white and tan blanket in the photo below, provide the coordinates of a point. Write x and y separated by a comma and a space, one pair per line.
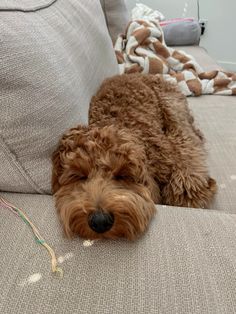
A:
142, 49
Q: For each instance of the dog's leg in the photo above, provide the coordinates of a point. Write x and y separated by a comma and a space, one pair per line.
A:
180, 168
189, 188
182, 150
178, 164
174, 106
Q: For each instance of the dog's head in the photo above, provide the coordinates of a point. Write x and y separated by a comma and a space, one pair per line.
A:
102, 185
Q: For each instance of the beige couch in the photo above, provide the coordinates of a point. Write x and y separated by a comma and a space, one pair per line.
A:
53, 57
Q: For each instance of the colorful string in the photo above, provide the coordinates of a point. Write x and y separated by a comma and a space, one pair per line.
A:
38, 238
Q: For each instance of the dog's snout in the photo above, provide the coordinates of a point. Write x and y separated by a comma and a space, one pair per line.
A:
101, 222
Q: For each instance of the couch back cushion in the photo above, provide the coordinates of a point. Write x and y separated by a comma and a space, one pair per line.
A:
117, 17
54, 55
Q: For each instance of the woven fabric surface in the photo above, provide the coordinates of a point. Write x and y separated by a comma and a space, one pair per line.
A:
216, 116
52, 62
25, 5
117, 16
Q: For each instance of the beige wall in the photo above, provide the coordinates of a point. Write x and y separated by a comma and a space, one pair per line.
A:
220, 37
170, 8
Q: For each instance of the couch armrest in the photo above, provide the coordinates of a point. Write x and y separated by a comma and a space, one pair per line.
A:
182, 33
116, 15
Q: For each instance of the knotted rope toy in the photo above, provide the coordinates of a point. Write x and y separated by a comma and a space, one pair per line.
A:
38, 238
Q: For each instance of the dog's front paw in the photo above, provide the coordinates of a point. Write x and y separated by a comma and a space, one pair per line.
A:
189, 191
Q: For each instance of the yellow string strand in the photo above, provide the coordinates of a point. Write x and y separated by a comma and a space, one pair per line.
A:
38, 237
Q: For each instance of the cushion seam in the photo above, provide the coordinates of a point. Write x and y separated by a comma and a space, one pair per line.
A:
19, 167
36, 8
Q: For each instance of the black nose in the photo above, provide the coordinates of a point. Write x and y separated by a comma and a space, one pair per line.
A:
101, 222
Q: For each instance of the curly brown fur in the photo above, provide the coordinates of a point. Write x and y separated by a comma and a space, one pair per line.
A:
141, 147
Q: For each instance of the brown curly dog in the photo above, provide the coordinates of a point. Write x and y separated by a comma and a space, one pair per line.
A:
140, 148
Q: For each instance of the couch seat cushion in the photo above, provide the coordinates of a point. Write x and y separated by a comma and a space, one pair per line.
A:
216, 116
184, 264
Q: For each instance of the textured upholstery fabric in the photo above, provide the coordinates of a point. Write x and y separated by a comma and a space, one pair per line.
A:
117, 16
202, 57
216, 116
54, 55
184, 264
25, 5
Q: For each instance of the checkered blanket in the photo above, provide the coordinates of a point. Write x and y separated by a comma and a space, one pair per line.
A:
142, 49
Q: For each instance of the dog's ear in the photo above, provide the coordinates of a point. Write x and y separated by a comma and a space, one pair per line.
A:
139, 165
149, 182
153, 189
68, 143
56, 170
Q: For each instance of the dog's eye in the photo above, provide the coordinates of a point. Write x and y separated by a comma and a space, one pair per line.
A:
72, 178
123, 178
82, 178
118, 177
77, 177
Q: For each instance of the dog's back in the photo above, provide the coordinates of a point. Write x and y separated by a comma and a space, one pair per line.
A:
157, 113
139, 102
127, 101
